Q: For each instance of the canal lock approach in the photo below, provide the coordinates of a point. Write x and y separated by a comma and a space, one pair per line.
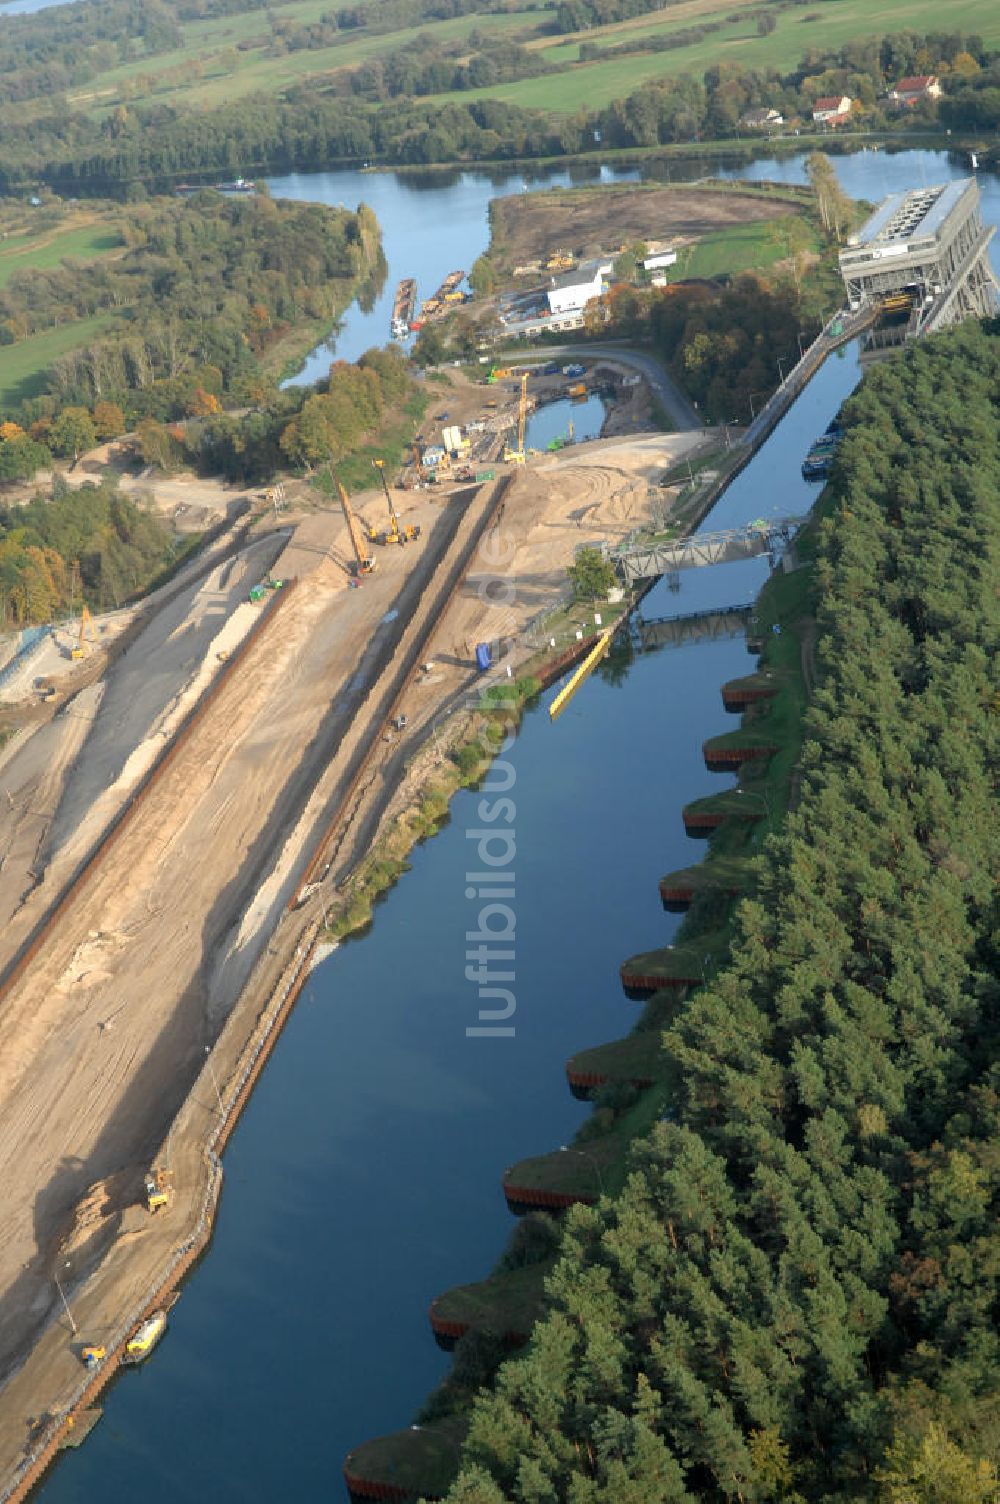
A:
364, 1178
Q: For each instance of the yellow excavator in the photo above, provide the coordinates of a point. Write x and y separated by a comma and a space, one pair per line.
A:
516, 456
363, 561
408, 533
86, 620
159, 1189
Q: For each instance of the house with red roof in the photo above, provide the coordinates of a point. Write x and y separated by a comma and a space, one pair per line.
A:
910, 91
832, 110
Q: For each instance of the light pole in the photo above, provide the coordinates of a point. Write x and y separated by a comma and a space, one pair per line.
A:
215, 1083
799, 338
568, 1149
781, 372
62, 1297
750, 397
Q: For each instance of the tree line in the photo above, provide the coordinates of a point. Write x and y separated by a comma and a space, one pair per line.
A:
313, 125
794, 1297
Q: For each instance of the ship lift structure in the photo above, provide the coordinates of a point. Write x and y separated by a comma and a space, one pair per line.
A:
920, 263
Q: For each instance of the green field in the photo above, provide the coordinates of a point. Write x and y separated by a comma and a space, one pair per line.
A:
33, 252
23, 366
830, 24
741, 248
206, 71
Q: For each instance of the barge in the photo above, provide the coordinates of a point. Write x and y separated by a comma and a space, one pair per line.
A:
403, 306
446, 295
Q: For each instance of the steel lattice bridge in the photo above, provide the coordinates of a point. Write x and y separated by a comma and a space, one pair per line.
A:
646, 558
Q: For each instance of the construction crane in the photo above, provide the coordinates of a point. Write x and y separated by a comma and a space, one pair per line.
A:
396, 534
363, 562
86, 620
516, 456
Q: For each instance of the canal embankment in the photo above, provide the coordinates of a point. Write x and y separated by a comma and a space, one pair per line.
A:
629, 1080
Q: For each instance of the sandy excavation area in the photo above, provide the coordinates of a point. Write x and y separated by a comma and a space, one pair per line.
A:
528, 225
104, 1032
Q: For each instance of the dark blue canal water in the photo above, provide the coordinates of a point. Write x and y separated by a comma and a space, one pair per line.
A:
364, 1177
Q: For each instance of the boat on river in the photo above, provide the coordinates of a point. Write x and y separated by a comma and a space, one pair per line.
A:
446, 295
403, 306
144, 1338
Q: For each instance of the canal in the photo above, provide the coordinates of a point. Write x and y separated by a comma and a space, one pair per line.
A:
364, 1177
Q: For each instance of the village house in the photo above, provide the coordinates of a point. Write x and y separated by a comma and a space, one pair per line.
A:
761, 120
910, 91
832, 110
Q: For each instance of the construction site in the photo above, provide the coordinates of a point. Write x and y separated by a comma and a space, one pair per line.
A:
188, 783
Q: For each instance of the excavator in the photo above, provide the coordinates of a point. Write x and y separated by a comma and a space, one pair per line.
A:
516, 456
408, 533
86, 620
363, 561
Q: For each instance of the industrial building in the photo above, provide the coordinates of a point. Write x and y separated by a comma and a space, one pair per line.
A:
571, 292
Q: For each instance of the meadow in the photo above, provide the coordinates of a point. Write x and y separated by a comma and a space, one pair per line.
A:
24, 364
82, 238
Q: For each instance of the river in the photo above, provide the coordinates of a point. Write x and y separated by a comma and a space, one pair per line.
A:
364, 1177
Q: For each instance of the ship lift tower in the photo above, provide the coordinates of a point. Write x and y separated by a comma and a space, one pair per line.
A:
922, 262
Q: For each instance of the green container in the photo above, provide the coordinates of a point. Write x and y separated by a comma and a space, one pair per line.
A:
485, 475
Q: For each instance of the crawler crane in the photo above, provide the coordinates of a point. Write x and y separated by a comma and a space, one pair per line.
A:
363, 561
395, 534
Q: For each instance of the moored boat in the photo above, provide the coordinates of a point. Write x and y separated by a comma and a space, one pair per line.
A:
403, 306
144, 1338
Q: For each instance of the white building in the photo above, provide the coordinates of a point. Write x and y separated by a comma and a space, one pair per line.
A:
832, 110
659, 261
571, 292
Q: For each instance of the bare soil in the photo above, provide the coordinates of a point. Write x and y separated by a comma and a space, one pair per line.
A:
591, 221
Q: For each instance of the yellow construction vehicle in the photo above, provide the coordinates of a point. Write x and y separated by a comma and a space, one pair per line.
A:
159, 1189
363, 561
559, 261
93, 1353
516, 456
86, 620
408, 533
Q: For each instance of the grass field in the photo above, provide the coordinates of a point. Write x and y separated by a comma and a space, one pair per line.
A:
29, 252
205, 71
740, 248
829, 24
23, 366
208, 69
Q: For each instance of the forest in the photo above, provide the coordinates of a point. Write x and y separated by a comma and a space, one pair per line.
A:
205, 289
91, 544
794, 1297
